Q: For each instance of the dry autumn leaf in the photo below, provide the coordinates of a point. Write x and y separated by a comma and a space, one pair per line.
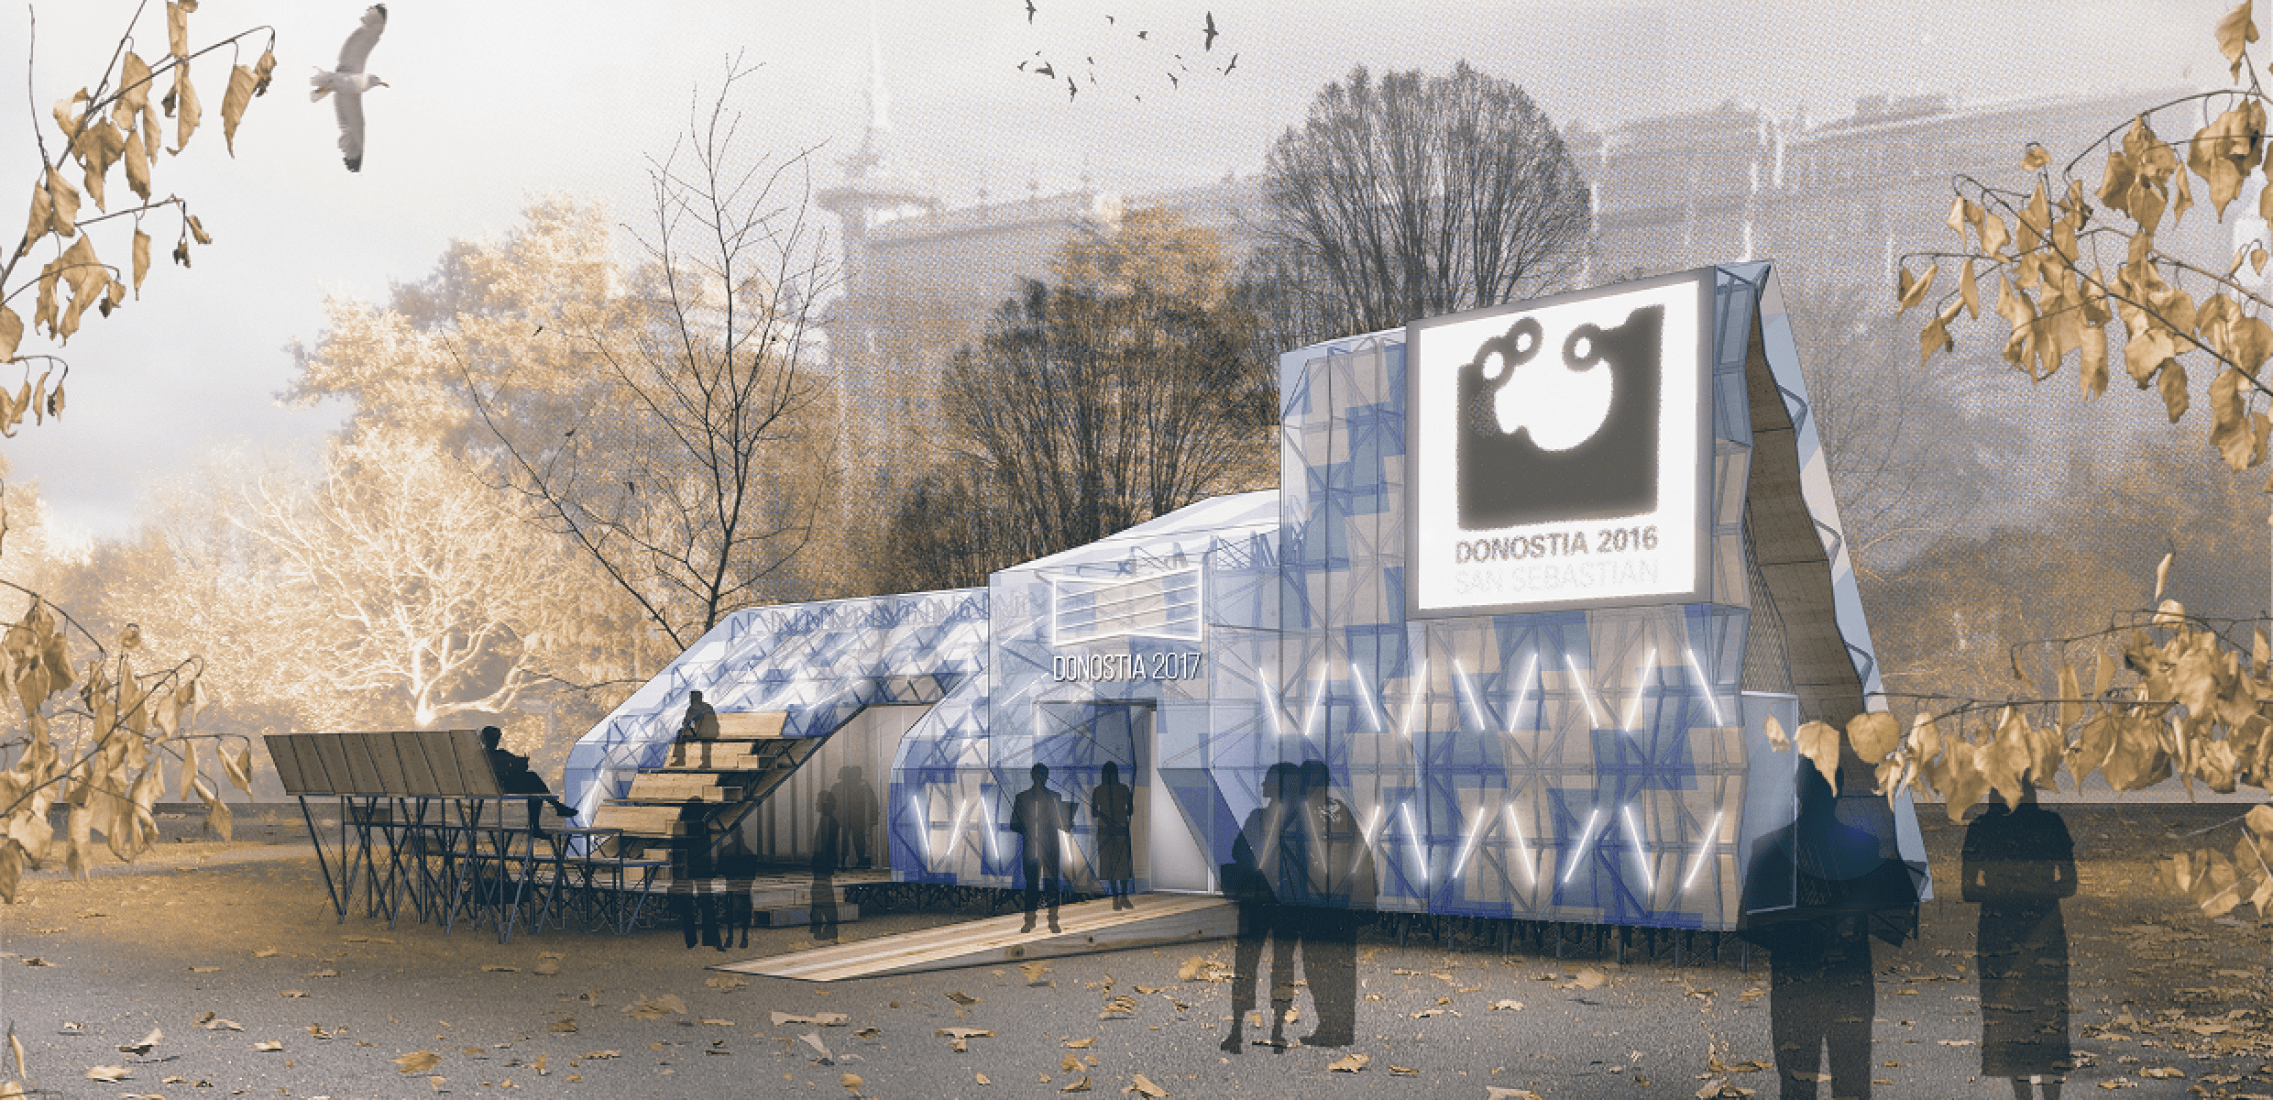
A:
1143, 1086
417, 1061
1081, 1085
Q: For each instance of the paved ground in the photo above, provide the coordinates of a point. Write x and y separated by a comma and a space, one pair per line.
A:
244, 934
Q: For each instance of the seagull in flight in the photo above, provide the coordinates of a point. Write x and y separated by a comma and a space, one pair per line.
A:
1234, 64
350, 81
1029, 11
1210, 43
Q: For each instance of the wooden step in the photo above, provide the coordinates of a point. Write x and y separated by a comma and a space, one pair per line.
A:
761, 723
640, 821
744, 755
650, 786
1090, 926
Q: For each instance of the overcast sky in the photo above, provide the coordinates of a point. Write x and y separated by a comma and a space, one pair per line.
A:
491, 104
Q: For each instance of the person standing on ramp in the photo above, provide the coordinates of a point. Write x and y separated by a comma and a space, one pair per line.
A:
1040, 816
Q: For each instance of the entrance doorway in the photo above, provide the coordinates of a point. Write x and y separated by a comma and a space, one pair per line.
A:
1164, 853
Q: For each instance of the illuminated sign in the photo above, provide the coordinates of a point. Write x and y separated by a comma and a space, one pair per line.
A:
1163, 605
1559, 450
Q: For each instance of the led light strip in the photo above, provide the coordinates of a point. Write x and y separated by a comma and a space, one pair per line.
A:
1641, 851
1420, 853
1317, 695
955, 831
1414, 705
1516, 715
1475, 833
1703, 850
1585, 838
1580, 678
1264, 695
986, 811
1649, 665
1468, 692
1523, 847
1372, 709
1705, 687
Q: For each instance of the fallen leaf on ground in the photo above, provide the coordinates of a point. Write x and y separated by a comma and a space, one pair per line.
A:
546, 967
1590, 978
1349, 1063
1404, 1071
1034, 971
1143, 1086
818, 1019
1078, 1044
205, 970
1076, 1086
2162, 1072
35, 960
1069, 1064
600, 1054
1506, 1006
107, 1074
961, 998
144, 1046
851, 1081
868, 1033
268, 1046
718, 1023
292, 993
655, 1008
1494, 1092
964, 1033
491, 969
265, 953
418, 1061
982, 1079
564, 1024
1958, 1043
813, 1039
726, 981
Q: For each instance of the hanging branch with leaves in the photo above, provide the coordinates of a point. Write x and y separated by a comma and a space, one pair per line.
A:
2171, 695
113, 124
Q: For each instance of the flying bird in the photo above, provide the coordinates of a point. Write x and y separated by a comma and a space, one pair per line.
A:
1210, 44
1047, 71
1234, 64
350, 81
1173, 82
1071, 89
1147, 35
1029, 11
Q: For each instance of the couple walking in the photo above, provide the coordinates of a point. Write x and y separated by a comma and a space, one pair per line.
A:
1302, 875
1041, 818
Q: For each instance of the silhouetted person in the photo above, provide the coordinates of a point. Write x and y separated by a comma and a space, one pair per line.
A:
1040, 816
1343, 886
700, 723
1255, 879
1822, 991
692, 865
822, 912
856, 817
2018, 865
514, 777
1113, 806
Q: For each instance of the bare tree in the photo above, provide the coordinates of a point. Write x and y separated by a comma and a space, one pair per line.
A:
1415, 196
702, 369
1108, 398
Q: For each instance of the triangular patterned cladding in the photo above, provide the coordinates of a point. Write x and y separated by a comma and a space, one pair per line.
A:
820, 662
1485, 730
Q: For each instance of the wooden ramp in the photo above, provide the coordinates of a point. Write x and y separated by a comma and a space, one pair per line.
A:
1088, 927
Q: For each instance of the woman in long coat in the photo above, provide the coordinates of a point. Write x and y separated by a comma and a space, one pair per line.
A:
1113, 805
2019, 863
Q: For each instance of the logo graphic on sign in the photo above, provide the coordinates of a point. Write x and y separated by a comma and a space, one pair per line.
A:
1559, 451
1561, 436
